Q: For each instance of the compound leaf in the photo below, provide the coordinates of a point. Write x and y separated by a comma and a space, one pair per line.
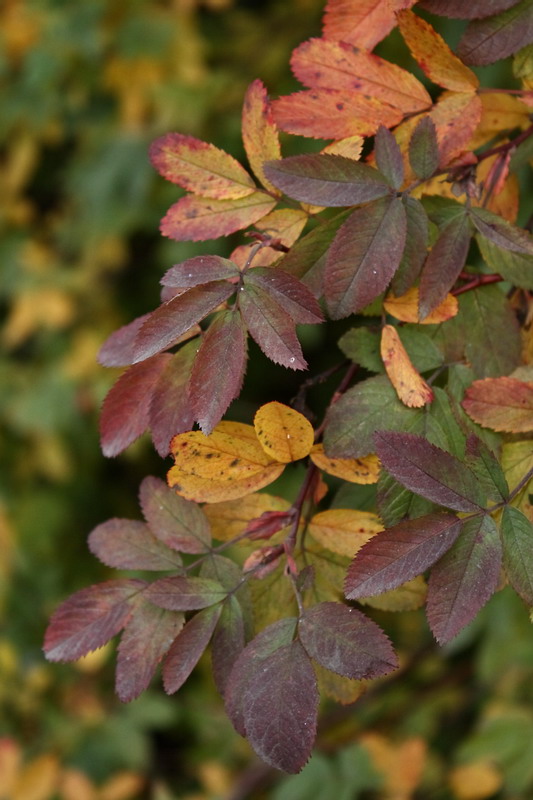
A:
130, 544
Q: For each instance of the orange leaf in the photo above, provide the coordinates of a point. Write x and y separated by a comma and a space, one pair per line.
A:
344, 530
475, 781
284, 434
350, 147
500, 112
231, 517
199, 218
400, 764
434, 56
200, 167
332, 114
505, 197
259, 132
323, 64
410, 387
228, 464
355, 470
361, 22
503, 404
405, 308
456, 116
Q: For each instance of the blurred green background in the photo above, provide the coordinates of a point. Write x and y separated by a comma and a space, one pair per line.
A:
84, 88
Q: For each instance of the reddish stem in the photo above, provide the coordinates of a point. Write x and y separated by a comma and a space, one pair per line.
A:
479, 280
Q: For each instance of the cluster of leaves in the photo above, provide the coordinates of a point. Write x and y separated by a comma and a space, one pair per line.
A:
427, 252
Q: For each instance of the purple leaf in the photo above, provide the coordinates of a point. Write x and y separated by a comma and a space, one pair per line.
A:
344, 641
188, 647
89, 618
424, 149
364, 256
125, 411
486, 468
416, 243
170, 408
250, 663
500, 232
429, 471
200, 270
517, 536
465, 578
146, 638
218, 370
228, 642
271, 327
129, 544
167, 323
444, 262
400, 553
280, 707
183, 593
389, 157
488, 40
117, 350
473, 9
288, 291
178, 523
327, 180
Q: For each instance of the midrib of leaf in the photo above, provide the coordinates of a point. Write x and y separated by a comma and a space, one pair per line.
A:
512, 13
370, 246
433, 478
219, 173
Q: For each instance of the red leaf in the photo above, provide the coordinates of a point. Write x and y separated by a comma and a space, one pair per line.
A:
364, 256
170, 408
429, 471
289, 292
503, 404
218, 370
332, 114
89, 618
199, 218
178, 523
271, 327
146, 638
517, 535
228, 642
474, 9
500, 232
188, 647
325, 64
388, 155
465, 578
361, 22
327, 180
488, 40
444, 263
415, 251
200, 167
125, 411
250, 664
199, 270
168, 322
182, 593
280, 706
129, 544
487, 469
424, 149
344, 641
117, 350
400, 553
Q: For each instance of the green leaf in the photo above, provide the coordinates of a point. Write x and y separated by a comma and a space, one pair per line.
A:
517, 536
389, 157
517, 268
424, 149
498, 36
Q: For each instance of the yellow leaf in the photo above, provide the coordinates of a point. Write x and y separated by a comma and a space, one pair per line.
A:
499, 112
355, 470
405, 308
344, 530
228, 464
46, 307
350, 147
75, 785
434, 56
330, 571
410, 387
337, 687
230, 518
407, 597
516, 461
122, 786
475, 781
284, 434
400, 764
259, 132
10, 760
285, 224
272, 598
505, 202
38, 780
